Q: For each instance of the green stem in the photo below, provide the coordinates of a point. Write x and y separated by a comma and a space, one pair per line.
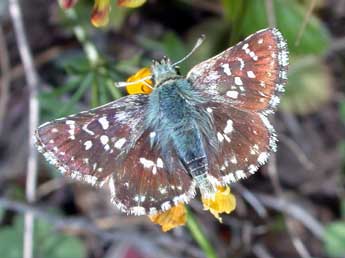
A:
89, 48
199, 236
95, 93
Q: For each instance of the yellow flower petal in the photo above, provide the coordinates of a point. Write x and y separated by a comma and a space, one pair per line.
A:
174, 217
140, 87
100, 13
67, 3
130, 3
222, 202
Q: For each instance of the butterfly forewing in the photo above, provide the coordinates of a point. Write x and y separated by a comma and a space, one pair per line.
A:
250, 75
87, 146
109, 146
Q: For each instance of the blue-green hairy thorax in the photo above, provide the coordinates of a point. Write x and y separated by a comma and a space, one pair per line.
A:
175, 116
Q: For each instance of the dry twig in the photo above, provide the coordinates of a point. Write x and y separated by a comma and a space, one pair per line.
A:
305, 22
270, 13
293, 211
295, 239
5, 79
32, 81
251, 199
300, 155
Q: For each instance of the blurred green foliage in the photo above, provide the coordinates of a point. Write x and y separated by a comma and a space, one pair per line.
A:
48, 242
334, 239
250, 16
304, 94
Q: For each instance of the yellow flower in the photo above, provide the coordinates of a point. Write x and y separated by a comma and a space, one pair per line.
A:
222, 202
101, 9
172, 218
131, 3
140, 87
100, 13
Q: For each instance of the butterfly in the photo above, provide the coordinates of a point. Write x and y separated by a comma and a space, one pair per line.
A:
209, 128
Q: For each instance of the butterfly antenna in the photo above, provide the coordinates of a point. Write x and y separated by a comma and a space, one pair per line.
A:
125, 84
197, 44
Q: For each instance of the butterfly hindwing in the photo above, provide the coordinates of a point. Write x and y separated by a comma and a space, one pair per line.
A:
251, 75
245, 140
145, 182
86, 146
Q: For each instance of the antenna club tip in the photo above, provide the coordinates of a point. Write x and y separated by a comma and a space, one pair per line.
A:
120, 84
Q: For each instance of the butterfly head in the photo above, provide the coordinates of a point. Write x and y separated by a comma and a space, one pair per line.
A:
163, 70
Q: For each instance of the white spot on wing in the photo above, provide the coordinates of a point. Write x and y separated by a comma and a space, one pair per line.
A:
84, 128
233, 159
146, 162
226, 69
152, 134
241, 62
232, 94
229, 127
238, 81
104, 123
119, 143
160, 163
104, 139
220, 137
251, 74
87, 145
70, 122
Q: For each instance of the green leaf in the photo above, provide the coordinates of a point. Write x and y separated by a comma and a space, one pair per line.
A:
47, 242
117, 17
217, 34
233, 9
289, 17
115, 92
85, 84
334, 239
308, 87
72, 83
173, 46
342, 111
100, 82
342, 202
